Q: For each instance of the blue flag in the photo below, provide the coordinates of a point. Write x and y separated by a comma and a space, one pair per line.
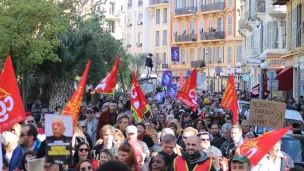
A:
172, 90
167, 78
159, 97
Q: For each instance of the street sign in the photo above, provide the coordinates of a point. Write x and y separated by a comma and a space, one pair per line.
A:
271, 74
218, 70
272, 85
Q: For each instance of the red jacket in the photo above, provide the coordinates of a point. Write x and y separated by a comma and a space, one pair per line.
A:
105, 119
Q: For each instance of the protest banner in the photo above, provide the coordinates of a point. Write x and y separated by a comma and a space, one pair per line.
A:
59, 131
269, 114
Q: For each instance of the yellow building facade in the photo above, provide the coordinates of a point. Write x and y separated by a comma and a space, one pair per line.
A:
206, 32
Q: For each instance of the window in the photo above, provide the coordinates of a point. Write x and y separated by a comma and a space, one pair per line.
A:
138, 37
192, 55
185, 56
201, 26
140, 17
182, 57
230, 3
157, 39
175, 29
221, 55
220, 24
164, 58
201, 54
284, 35
210, 23
192, 27
165, 15
112, 7
230, 25
165, 38
239, 53
157, 16
229, 54
111, 26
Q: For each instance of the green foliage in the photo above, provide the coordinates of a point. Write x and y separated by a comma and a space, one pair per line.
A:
137, 63
29, 28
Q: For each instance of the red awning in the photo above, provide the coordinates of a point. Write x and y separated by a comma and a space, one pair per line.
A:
284, 76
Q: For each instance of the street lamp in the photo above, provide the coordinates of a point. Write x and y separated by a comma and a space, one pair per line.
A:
206, 54
222, 75
263, 66
228, 70
238, 72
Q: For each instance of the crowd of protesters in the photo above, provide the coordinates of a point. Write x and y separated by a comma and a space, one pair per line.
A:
170, 138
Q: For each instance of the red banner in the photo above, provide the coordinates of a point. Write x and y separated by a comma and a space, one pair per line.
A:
230, 99
187, 94
108, 84
11, 106
256, 149
73, 106
139, 104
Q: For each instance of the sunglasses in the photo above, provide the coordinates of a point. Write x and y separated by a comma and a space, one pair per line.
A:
84, 168
84, 127
89, 112
83, 150
207, 139
30, 121
22, 135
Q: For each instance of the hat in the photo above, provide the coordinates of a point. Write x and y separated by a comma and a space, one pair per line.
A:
207, 102
241, 159
203, 133
131, 129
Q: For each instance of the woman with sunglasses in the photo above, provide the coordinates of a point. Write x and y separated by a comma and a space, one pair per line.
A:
127, 156
85, 165
82, 152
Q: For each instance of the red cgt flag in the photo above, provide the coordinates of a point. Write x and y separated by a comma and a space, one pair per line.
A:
11, 106
108, 84
230, 99
187, 94
73, 106
139, 104
256, 149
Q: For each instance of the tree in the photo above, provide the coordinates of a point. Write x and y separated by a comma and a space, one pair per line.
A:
137, 63
29, 30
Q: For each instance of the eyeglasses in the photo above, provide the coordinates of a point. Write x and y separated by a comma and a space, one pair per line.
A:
22, 135
203, 139
84, 127
30, 121
89, 112
84, 168
83, 150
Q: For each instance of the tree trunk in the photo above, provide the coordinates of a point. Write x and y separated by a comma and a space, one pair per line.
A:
24, 92
60, 93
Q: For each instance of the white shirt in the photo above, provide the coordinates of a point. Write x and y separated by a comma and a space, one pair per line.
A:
267, 164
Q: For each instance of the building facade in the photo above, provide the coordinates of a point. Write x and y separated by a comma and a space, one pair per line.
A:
263, 25
206, 33
147, 29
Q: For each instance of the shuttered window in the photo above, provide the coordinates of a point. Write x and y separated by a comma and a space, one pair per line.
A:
157, 39
294, 28
201, 26
239, 53
229, 54
157, 16
165, 15
165, 38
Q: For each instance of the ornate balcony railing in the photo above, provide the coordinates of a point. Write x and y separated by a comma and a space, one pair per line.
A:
212, 35
155, 2
213, 7
187, 10
185, 38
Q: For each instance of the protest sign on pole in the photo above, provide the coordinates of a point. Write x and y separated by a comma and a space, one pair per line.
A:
59, 131
267, 113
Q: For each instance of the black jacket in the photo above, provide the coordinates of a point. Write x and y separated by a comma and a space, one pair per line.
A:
148, 140
203, 157
149, 62
228, 146
218, 141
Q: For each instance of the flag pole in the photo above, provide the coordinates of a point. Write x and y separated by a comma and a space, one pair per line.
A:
170, 106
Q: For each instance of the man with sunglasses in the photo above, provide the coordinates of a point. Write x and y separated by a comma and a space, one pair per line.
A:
91, 123
205, 144
28, 141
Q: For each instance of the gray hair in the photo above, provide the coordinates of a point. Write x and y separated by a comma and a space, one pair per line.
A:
166, 131
226, 126
168, 138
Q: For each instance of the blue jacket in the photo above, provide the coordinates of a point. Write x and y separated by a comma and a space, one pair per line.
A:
18, 153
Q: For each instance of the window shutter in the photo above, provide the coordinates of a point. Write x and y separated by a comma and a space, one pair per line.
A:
294, 28
165, 15
230, 26
275, 35
229, 54
269, 35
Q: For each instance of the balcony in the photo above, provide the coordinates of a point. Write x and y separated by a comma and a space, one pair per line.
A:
219, 6
139, 23
139, 44
129, 5
214, 35
158, 2
185, 11
279, 2
140, 3
185, 38
277, 11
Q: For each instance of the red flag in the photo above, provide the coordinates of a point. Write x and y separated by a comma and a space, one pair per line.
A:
181, 80
108, 84
139, 104
187, 94
73, 106
11, 106
256, 149
230, 99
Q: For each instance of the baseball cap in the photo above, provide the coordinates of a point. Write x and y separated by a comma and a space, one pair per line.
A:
241, 159
131, 129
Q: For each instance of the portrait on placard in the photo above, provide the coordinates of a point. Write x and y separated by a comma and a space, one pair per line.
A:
59, 131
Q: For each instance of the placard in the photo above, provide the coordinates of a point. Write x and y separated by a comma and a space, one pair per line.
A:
58, 131
267, 113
